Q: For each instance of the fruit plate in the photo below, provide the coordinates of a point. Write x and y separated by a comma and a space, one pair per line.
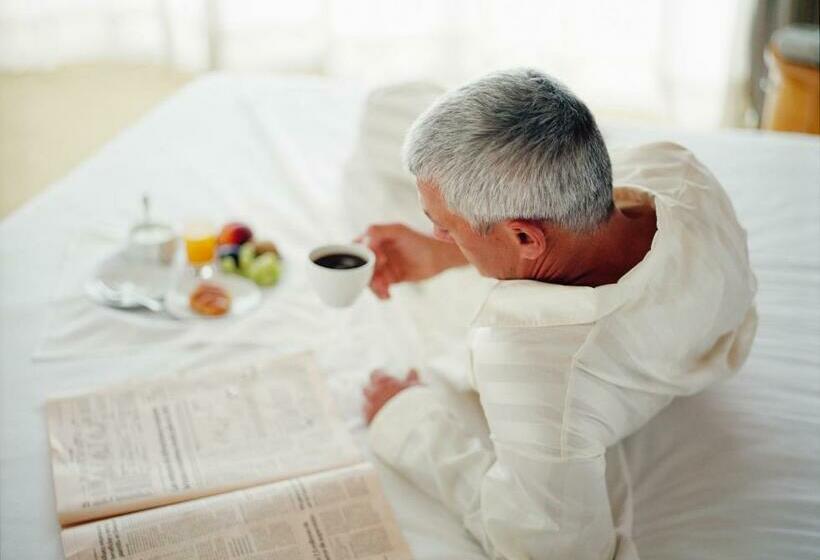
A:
245, 296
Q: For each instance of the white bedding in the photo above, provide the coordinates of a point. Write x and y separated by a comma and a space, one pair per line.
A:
731, 473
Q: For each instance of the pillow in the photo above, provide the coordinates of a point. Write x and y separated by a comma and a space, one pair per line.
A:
376, 186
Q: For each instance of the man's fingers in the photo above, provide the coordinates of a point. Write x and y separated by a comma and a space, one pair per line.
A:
383, 291
380, 287
385, 274
376, 291
381, 388
384, 231
368, 413
381, 274
375, 240
388, 270
378, 375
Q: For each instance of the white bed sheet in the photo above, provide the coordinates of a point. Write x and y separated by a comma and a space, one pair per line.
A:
731, 473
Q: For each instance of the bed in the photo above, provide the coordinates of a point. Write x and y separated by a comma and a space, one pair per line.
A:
733, 472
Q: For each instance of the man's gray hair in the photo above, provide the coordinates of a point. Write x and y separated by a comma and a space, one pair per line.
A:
514, 145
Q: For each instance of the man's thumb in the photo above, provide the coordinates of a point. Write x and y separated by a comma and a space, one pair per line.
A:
412, 376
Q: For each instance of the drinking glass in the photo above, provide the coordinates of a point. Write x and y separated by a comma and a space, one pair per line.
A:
200, 247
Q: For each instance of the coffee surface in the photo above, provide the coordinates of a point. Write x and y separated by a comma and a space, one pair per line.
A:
340, 261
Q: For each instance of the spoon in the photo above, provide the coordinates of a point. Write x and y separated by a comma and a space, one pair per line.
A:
125, 296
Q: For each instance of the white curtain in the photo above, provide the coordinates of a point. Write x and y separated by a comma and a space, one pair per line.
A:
661, 60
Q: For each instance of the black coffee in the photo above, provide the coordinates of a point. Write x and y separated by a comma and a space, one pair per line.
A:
340, 261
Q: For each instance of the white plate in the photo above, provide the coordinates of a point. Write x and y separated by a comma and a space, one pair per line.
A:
245, 295
150, 279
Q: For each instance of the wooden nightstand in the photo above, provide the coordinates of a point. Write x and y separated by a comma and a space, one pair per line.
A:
792, 100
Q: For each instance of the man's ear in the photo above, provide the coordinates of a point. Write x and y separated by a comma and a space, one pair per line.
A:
530, 237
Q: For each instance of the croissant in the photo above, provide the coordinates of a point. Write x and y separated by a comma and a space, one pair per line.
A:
210, 299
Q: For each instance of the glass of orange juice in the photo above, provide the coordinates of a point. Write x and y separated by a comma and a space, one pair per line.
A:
200, 246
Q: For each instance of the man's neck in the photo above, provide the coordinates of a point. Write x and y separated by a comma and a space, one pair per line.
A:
596, 258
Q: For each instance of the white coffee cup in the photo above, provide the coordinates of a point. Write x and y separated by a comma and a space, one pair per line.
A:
339, 287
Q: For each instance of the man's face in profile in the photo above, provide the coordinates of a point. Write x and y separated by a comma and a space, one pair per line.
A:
494, 254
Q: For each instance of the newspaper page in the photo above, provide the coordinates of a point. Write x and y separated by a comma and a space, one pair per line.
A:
152, 443
334, 515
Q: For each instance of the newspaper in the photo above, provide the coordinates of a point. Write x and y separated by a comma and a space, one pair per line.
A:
335, 515
158, 442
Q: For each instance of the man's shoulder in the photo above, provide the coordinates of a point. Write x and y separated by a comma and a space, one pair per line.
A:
664, 168
515, 304
664, 151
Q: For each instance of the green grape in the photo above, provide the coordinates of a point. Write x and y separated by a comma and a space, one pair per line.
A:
247, 256
228, 264
265, 270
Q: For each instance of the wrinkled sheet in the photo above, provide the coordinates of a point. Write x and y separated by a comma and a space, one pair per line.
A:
730, 473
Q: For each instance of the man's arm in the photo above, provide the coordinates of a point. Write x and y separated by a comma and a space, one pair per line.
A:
405, 255
525, 496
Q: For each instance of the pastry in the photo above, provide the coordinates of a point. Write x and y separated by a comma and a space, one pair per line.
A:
210, 299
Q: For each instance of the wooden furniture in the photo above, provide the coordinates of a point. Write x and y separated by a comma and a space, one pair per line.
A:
792, 100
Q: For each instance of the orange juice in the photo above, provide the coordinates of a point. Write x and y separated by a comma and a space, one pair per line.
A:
200, 244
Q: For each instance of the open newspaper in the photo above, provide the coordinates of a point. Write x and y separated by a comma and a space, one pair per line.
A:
246, 463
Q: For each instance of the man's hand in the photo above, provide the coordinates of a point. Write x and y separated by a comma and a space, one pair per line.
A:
382, 388
405, 255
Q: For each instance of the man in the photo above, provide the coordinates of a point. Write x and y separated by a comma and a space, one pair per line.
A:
610, 303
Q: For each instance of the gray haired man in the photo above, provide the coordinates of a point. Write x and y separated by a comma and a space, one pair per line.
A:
609, 303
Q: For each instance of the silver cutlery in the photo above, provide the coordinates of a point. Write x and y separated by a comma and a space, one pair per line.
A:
123, 296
